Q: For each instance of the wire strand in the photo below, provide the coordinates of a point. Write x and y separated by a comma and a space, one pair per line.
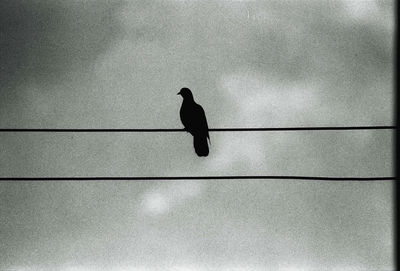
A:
156, 130
153, 178
145, 178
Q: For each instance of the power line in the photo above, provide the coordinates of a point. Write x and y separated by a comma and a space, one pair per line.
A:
144, 178
156, 130
154, 178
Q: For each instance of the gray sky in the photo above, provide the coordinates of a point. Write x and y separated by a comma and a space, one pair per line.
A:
119, 64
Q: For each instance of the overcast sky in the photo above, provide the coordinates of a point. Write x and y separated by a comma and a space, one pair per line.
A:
119, 64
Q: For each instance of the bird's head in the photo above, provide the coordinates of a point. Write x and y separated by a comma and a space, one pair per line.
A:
185, 93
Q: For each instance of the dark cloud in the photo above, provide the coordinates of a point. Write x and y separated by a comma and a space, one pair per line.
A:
45, 40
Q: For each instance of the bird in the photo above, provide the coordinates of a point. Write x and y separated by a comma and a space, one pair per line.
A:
194, 120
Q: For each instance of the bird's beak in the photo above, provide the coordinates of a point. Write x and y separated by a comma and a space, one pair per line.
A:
179, 93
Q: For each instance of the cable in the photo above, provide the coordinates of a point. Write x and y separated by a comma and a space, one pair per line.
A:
261, 129
151, 178
195, 178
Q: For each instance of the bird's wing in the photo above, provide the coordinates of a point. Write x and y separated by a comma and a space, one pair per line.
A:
202, 121
185, 114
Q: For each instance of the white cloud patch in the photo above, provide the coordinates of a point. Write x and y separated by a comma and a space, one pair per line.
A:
270, 102
360, 9
164, 199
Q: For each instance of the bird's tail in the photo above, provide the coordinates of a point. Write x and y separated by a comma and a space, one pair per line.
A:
200, 145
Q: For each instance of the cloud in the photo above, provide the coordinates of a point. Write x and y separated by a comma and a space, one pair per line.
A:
106, 64
44, 42
361, 9
163, 200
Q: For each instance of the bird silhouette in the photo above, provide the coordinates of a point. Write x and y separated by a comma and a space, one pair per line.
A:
194, 120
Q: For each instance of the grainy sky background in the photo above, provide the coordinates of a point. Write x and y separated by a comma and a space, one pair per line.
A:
119, 64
